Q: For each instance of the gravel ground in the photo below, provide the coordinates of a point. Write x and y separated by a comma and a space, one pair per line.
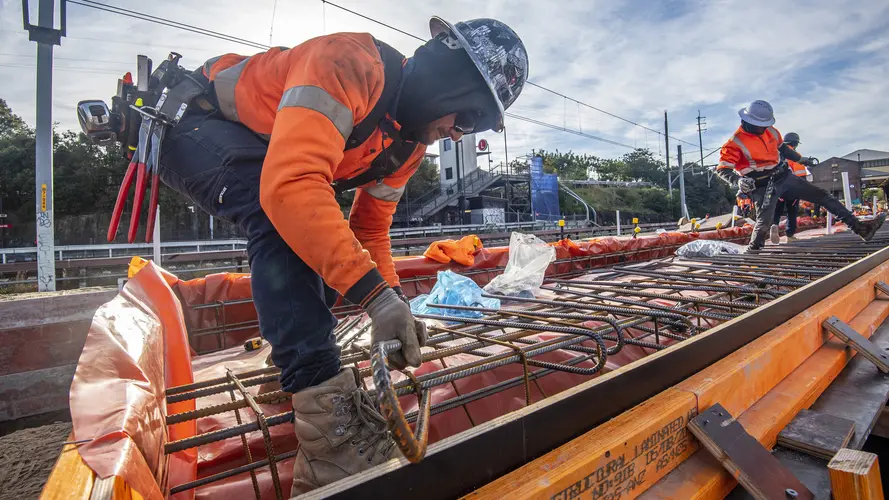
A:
27, 457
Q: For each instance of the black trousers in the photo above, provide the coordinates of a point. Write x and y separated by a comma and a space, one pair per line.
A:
783, 184
791, 207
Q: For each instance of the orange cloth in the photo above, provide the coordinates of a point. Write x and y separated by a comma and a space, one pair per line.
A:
461, 251
342, 75
748, 153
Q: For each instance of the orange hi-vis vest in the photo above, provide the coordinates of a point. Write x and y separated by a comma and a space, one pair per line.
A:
749, 154
307, 101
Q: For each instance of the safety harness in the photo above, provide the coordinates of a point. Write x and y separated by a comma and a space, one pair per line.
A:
182, 88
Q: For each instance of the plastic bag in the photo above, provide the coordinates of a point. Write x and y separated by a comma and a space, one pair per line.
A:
453, 289
709, 248
529, 256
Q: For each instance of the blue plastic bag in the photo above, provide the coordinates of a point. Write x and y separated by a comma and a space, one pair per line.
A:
453, 289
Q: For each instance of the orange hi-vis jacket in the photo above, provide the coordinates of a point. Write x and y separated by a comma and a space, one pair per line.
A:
749, 154
307, 100
798, 169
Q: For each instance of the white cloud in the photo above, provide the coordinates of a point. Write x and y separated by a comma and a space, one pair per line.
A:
634, 59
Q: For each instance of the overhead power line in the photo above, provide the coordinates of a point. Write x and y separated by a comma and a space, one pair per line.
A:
565, 129
230, 38
541, 87
167, 22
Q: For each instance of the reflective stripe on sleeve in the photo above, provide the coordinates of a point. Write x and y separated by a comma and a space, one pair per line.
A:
224, 84
725, 164
317, 99
385, 192
746, 152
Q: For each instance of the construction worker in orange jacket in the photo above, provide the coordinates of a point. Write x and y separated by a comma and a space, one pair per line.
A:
754, 159
281, 132
788, 205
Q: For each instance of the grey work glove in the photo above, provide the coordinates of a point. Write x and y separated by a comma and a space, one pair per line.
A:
391, 319
746, 185
809, 161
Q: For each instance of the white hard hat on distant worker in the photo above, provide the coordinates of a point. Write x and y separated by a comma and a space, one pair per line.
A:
496, 51
758, 113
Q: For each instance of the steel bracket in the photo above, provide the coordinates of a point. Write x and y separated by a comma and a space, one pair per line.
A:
856, 341
758, 471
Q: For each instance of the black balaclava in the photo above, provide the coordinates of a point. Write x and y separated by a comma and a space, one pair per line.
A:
753, 129
442, 81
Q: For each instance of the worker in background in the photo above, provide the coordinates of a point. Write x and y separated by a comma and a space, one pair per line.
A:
786, 204
284, 131
753, 159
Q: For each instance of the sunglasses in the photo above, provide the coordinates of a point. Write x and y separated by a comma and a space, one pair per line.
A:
465, 121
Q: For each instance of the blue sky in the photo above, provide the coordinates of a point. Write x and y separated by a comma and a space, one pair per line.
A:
823, 64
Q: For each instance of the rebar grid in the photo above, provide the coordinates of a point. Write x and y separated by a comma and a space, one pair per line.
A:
648, 306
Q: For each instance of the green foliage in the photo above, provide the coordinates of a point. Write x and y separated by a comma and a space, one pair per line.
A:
869, 193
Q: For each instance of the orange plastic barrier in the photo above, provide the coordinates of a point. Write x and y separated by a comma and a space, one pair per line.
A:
461, 251
137, 346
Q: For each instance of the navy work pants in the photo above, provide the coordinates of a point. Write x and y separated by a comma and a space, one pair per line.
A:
217, 164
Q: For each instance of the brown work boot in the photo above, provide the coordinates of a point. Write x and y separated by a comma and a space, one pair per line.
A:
340, 433
867, 229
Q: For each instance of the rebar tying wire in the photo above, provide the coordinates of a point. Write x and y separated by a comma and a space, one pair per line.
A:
247, 454
699, 314
264, 427
691, 329
507, 345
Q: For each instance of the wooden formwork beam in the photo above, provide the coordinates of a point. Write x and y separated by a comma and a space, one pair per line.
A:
738, 381
702, 478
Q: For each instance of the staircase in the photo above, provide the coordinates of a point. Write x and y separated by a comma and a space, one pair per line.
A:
437, 199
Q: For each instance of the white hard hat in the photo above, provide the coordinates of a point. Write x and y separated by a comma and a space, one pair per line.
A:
758, 113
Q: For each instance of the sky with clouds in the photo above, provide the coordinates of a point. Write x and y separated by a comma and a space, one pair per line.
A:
823, 64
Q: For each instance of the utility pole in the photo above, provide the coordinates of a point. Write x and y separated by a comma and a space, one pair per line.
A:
667, 150
681, 181
45, 36
702, 120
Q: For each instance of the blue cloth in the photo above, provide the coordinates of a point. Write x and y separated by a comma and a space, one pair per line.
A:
453, 289
217, 164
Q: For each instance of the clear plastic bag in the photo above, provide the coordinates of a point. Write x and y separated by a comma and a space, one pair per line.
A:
453, 289
529, 256
709, 248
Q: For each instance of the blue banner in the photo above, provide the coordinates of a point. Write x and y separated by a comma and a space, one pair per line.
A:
544, 192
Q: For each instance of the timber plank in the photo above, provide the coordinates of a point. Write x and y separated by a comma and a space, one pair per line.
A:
744, 457
811, 471
858, 394
817, 433
855, 475
700, 477
71, 478
857, 342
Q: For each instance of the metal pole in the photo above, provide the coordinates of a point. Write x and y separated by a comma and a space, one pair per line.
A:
46, 268
734, 214
701, 146
667, 151
211, 225
873, 207
847, 194
829, 228
156, 237
618, 222
681, 181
